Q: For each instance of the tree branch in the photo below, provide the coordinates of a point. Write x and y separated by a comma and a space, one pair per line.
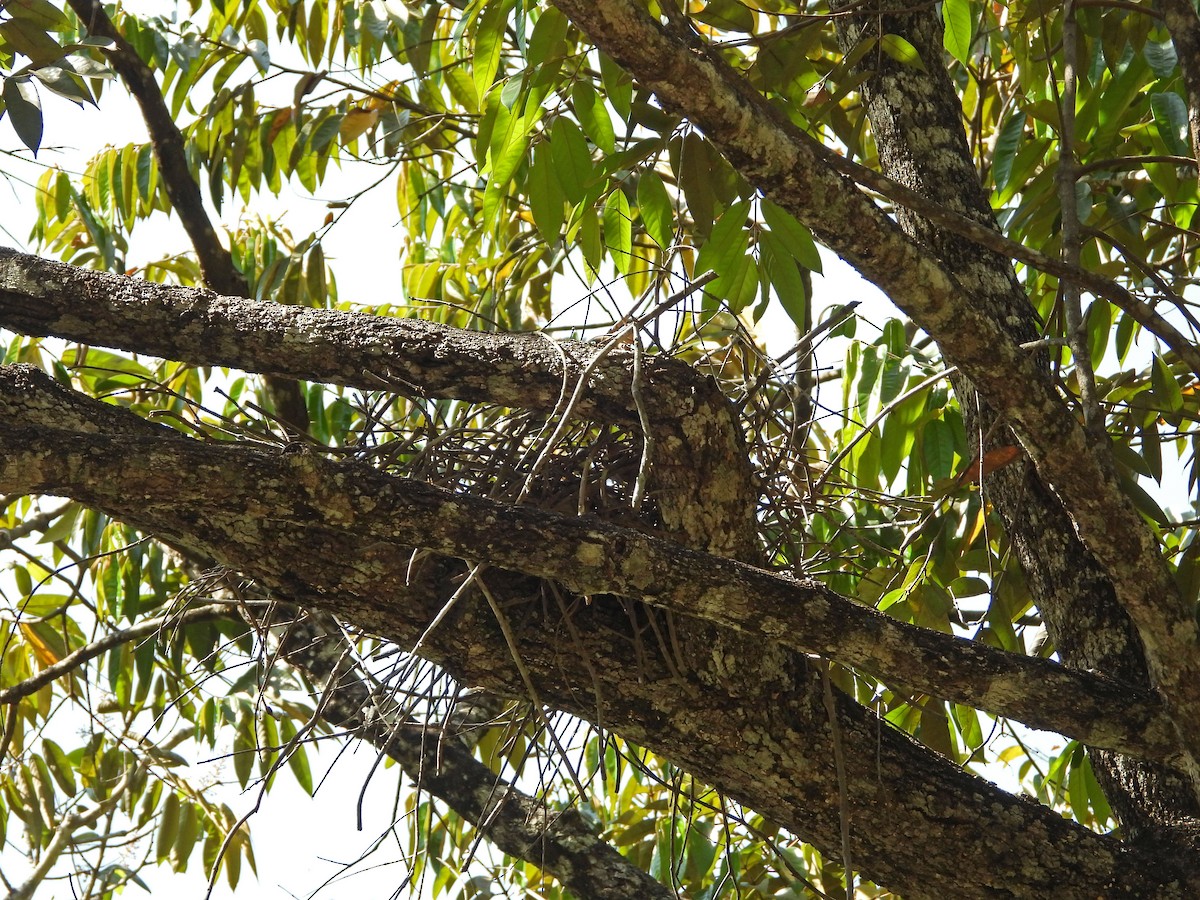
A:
118, 469
793, 170
701, 475
525, 371
1183, 22
920, 138
77, 658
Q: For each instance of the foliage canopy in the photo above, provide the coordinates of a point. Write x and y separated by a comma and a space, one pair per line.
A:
546, 523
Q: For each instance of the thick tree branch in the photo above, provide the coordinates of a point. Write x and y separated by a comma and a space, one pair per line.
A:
557, 841
280, 519
216, 263
791, 169
43, 297
131, 478
701, 476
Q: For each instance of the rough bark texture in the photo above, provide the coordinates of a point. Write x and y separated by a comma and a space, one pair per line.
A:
43, 297
1183, 22
744, 712
280, 518
916, 121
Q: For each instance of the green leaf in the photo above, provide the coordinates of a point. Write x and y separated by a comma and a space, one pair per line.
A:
589, 238
298, 761
40, 13
549, 37
1007, 143
739, 284
1166, 388
31, 39
618, 230
168, 827
618, 86
956, 18
24, 110
489, 44
508, 152
785, 277
795, 236
1083, 201
937, 445
695, 177
1162, 57
65, 83
1144, 503
60, 767
727, 15
589, 109
654, 205
727, 243
1171, 120
967, 721
314, 276
572, 161
546, 196
147, 172
185, 839
1098, 324
1151, 455
901, 51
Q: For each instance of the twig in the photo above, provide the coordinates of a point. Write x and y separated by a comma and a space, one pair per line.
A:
639, 398
78, 657
476, 570
1070, 234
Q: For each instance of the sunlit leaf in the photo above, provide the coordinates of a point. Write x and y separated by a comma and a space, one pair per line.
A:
654, 205
956, 19
901, 50
589, 107
618, 230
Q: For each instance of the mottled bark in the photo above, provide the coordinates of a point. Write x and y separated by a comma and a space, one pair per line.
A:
413, 356
332, 537
1183, 22
916, 120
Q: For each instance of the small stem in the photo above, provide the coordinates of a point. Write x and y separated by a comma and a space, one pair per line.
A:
1068, 177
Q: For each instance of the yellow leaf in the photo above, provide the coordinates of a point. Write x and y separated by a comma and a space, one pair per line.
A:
357, 122
41, 649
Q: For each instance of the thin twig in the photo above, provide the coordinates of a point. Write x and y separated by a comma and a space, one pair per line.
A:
1070, 235
637, 388
78, 657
